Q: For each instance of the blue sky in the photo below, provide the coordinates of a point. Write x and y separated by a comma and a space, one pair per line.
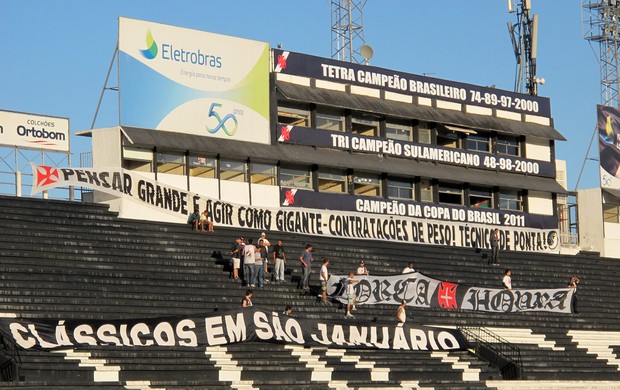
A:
55, 53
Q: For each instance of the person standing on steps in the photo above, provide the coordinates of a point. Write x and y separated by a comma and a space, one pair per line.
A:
306, 260
259, 269
249, 262
350, 291
400, 313
324, 278
279, 258
235, 257
494, 241
572, 283
507, 280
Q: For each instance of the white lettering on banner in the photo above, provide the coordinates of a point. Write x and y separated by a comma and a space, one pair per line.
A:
232, 326
422, 291
372, 219
431, 153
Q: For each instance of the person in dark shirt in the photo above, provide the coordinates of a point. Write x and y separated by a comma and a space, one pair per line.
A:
279, 258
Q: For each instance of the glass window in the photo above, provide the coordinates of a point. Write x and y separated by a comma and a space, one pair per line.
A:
448, 139
508, 145
173, 164
202, 167
424, 133
611, 208
510, 200
400, 188
364, 124
426, 191
136, 159
332, 181
451, 194
232, 170
263, 174
478, 143
398, 131
329, 119
295, 177
366, 184
293, 116
480, 197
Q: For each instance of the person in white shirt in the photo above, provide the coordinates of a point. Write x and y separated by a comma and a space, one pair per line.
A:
324, 276
507, 280
409, 269
350, 291
249, 263
265, 243
362, 270
401, 314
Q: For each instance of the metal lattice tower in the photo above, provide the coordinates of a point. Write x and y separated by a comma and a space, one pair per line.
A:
347, 30
600, 23
523, 36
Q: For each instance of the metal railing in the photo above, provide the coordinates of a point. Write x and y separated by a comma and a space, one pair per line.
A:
11, 360
497, 351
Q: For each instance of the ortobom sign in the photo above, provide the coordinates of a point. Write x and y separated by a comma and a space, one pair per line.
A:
34, 131
194, 82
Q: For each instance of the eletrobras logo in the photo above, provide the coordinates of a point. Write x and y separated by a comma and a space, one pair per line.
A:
151, 47
170, 52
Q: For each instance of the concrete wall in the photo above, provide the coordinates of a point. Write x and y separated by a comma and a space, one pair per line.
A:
540, 202
537, 149
590, 207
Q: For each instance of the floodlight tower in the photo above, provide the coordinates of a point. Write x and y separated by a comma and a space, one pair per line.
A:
524, 36
348, 30
600, 25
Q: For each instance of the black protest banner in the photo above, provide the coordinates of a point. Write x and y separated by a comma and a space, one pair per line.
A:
228, 327
422, 291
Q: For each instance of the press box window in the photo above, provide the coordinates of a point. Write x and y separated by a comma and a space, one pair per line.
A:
232, 170
329, 119
479, 197
450, 194
295, 178
426, 191
263, 174
400, 189
364, 124
508, 145
204, 167
398, 131
172, 164
448, 139
510, 200
367, 185
478, 143
332, 181
139, 160
424, 133
611, 212
293, 116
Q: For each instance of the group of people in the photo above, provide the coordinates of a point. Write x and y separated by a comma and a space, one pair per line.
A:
200, 222
255, 259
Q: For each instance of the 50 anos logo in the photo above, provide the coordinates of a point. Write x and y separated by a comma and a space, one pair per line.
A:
229, 120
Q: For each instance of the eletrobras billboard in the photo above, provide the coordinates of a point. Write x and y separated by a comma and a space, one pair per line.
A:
193, 82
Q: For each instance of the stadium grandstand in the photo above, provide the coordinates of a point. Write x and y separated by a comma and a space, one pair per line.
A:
118, 291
